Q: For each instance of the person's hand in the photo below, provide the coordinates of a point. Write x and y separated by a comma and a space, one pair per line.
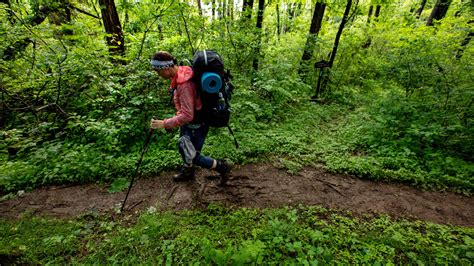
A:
156, 124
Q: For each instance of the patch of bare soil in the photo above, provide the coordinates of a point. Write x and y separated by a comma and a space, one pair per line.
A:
260, 186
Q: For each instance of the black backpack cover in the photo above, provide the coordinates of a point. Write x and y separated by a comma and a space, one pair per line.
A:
215, 105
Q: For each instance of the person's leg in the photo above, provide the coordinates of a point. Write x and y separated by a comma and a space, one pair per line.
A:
207, 162
188, 153
190, 145
198, 138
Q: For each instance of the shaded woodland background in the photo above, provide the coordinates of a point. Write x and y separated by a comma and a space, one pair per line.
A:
379, 89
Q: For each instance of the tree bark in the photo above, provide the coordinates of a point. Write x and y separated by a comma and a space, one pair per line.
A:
377, 12
293, 10
224, 9
314, 29
420, 9
199, 7
230, 9
3, 116
61, 15
278, 20
213, 9
115, 38
345, 18
322, 79
464, 43
369, 15
439, 11
261, 6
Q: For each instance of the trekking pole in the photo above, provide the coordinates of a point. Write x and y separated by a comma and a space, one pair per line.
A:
147, 141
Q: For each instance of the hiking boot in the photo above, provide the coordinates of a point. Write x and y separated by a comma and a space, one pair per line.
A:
186, 174
223, 168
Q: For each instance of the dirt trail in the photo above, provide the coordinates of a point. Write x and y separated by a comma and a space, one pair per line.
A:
251, 186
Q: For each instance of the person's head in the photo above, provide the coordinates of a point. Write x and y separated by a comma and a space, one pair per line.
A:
164, 64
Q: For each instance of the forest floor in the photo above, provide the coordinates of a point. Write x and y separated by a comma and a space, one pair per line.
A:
254, 186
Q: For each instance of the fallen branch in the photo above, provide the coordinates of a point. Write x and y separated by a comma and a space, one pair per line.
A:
331, 185
134, 205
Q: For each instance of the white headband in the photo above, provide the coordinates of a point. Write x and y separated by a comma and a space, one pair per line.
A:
157, 64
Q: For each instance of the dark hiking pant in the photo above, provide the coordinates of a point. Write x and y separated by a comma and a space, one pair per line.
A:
190, 144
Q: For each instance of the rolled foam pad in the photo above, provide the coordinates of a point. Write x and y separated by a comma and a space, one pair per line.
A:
211, 82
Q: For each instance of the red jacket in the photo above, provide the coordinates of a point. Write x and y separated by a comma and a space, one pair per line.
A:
185, 98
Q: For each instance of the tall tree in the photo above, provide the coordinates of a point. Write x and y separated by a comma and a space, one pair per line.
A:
314, 29
369, 15
277, 10
199, 7
224, 8
230, 9
261, 6
213, 9
345, 18
439, 11
325, 64
420, 9
294, 9
115, 37
465, 42
377, 12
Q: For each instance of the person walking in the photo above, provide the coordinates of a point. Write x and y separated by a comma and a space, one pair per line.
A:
193, 131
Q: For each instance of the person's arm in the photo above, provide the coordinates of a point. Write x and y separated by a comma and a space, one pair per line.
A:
185, 113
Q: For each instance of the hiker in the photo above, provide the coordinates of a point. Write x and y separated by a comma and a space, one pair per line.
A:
193, 130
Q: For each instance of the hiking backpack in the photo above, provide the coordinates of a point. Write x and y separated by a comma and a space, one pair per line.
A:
214, 88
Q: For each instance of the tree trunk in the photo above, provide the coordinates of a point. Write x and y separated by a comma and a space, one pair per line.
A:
3, 116
314, 30
60, 16
464, 43
278, 20
223, 9
339, 32
439, 11
199, 7
115, 38
261, 6
377, 12
230, 9
214, 9
369, 15
125, 17
420, 9
294, 10
322, 79
247, 8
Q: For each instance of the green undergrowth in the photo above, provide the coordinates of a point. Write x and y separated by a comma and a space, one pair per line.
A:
334, 136
222, 236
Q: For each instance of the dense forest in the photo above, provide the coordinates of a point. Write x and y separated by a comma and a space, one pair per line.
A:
378, 89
